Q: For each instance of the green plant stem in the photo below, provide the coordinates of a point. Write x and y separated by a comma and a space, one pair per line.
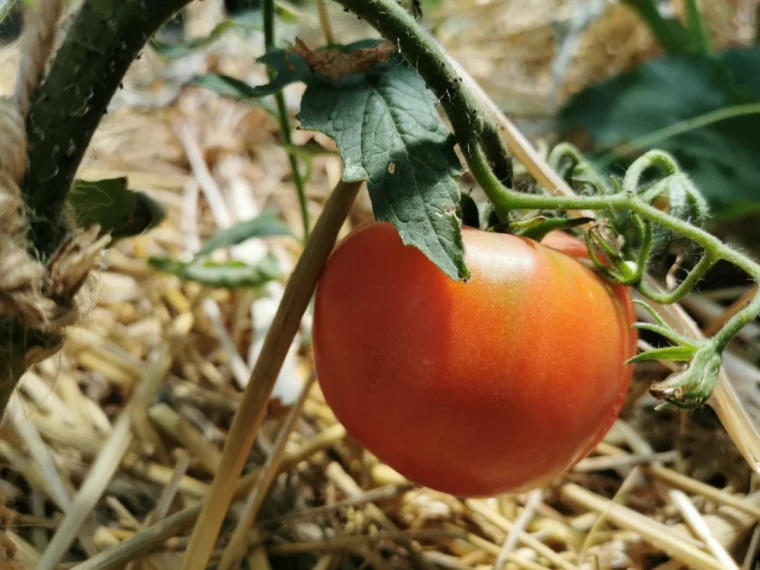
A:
650, 139
729, 330
324, 22
656, 159
694, 276
282, 113
697, 29
668, 333
104, 38
670, 33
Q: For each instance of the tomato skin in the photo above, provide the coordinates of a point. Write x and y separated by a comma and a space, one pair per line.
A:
492, 386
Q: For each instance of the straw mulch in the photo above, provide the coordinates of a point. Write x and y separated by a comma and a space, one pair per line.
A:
135, 409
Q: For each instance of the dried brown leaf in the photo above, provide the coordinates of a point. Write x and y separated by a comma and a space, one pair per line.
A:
335, 64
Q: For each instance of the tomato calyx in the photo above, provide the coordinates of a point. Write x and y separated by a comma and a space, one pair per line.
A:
539, 227
618, 249
531, 226
691, 387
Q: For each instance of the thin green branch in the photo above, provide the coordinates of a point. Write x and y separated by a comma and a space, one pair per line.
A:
647, 245
625, 200
748, 314
282, 114
668, 333
655, 137
684, 288
669, 32
104, 38
324, 22
700, 37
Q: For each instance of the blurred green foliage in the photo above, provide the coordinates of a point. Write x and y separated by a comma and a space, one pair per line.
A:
701, 106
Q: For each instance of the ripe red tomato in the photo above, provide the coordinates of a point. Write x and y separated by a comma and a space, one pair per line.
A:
480, 388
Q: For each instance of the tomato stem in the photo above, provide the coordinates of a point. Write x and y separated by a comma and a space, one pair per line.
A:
282, 116
693, 277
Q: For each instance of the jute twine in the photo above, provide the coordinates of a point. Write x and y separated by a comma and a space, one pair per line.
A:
33, 295
42, 297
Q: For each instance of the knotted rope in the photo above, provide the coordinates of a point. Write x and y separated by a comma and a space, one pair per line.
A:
38, 296
33, 295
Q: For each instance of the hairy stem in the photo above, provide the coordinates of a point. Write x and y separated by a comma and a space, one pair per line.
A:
736, 323
282, 114
694, 276
104, 38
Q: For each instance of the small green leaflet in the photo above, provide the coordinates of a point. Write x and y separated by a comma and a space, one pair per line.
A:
230, 275
117, 209
289, 68
388, 131
251, 20
264, 225
672, 353
236, 89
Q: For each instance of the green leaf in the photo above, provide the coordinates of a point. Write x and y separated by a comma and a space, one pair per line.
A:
250, 20
230, 87
672, 353
288, 66
668, 333
185, 47
668, 30
703, 110
389, 133
229, 275
117, 209
264, 225
649, 309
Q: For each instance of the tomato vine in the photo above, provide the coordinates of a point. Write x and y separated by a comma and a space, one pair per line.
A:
480, 142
